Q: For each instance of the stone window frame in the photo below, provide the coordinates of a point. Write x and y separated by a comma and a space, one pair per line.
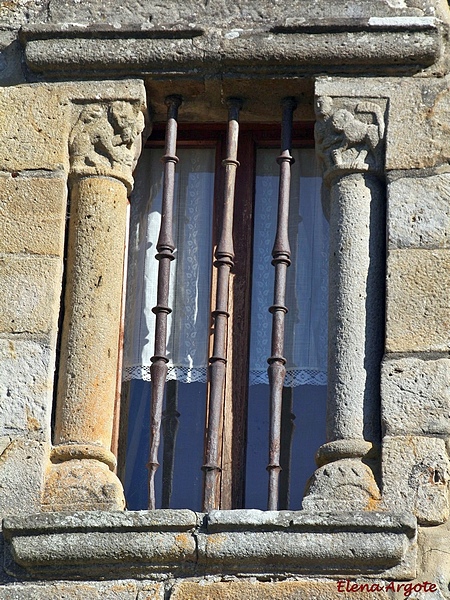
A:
179, 542
31, 541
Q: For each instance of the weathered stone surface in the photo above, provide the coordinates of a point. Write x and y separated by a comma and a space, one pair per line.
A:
155, 593
21, 476
244, 52
143, 520
418, 309
416, 473
32, 302
434, 559
281, 590
81, 485
36, 120
245, 542
271, 520
120, 590
416, 396
419, 212
121, 548
131, 90
347, 482
16, 13
356, 304
26, 388
32, 214
307, 542
33, 128
244, 13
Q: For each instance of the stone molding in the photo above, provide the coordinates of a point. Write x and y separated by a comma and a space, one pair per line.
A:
401, 44
184, 543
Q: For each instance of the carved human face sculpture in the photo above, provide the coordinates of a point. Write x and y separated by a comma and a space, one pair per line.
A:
324, 106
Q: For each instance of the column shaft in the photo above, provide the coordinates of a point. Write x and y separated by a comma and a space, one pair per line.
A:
90, 337
356, 307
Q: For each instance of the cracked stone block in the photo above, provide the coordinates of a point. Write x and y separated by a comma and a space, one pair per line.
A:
415, 476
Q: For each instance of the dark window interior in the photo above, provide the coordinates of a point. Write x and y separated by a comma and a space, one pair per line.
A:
244, 429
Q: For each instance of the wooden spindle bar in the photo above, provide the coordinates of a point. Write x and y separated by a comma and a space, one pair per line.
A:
281, 254
165, 247
224, 256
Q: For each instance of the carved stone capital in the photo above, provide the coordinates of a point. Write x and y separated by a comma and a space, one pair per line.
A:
350, 135
106, 140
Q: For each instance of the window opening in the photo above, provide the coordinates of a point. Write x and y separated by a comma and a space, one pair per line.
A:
242, 477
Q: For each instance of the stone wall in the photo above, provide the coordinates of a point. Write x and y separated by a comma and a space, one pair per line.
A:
384, 516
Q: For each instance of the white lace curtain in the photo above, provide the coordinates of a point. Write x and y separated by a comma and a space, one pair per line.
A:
187, 347
306, 322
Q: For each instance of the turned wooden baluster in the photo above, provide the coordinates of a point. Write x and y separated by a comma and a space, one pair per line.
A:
224, 256
165, 248
281, 254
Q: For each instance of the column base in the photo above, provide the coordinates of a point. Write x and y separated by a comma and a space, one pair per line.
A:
84, 484
345, 485
347, 448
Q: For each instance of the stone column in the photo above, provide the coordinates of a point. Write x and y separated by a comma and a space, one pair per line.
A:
103, 145
350, 140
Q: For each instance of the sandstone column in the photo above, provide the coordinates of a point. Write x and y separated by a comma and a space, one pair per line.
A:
103, 145
350, 139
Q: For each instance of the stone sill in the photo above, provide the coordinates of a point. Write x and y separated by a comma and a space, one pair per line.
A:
394, 45
179, 543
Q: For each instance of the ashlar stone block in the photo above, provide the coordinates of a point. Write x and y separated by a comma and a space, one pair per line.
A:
415, 396
21, 476
32, 214
418, 307
281, 590
32, 302
419, 212
33, 128
415, 476
117, 590
26, 388
434, 558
